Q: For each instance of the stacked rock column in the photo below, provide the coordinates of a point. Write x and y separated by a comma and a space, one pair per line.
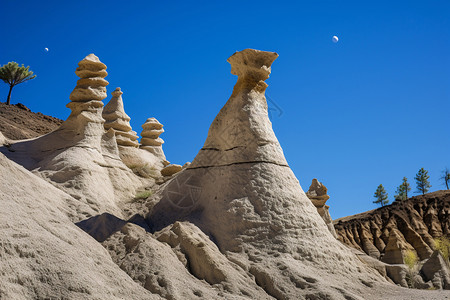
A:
150, 140
86, 104
92, 85
116, 118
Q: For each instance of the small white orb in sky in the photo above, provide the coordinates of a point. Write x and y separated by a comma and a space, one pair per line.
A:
46, 49
335, 39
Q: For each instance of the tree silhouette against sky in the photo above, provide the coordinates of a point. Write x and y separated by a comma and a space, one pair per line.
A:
13, 75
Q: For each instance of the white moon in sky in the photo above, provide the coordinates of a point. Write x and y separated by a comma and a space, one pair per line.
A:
335, 39
46, 49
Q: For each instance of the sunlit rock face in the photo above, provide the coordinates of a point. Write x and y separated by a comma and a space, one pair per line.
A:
91, 85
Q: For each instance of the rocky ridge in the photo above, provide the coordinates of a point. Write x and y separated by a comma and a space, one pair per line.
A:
388, 232
17, 122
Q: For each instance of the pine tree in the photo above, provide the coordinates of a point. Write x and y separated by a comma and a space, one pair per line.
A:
446, 177
381, 196
423, 185
12, 74
402, 190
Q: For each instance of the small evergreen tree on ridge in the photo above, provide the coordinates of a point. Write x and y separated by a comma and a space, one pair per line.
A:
381, 196
423, 185
402, 190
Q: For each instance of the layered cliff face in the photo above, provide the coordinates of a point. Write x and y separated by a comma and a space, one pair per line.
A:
410, 224
389, 232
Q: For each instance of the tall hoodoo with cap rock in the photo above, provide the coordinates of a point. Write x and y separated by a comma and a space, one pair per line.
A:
240, 191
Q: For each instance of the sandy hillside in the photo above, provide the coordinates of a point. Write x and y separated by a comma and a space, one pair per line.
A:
17, 122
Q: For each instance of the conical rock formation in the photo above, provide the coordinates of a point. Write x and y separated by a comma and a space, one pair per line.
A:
116, 118
141, 162
240, 191
150, 141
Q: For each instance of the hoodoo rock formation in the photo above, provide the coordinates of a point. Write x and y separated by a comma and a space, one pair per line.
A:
233, 224
150, 141
79, 154
240, 191
388, 232
116, 118
317, 193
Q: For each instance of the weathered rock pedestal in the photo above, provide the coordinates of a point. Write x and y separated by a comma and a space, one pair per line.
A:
240, 191
317, 193
396, 248
116, 118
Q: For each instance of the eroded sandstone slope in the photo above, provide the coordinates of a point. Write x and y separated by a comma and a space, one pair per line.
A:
386, 232
389, 234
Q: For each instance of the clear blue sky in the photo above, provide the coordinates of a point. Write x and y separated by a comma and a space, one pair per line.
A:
368, 110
